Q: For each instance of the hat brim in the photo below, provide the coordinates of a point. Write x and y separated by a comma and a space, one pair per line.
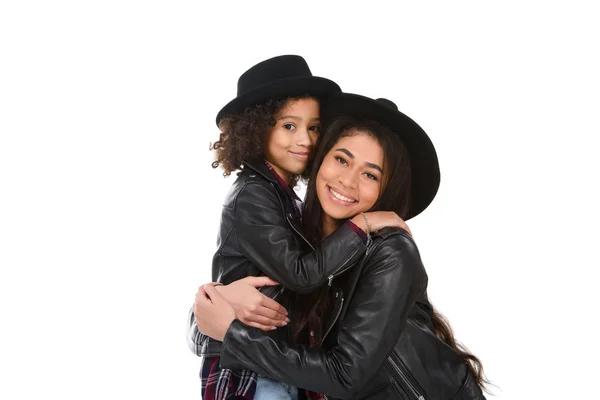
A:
309, 85
425, 179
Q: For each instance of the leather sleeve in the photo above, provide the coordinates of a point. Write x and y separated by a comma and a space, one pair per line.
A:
266, 238
392, 279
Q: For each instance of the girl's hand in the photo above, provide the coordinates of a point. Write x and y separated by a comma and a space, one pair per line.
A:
380, 219
251, 306
213, 313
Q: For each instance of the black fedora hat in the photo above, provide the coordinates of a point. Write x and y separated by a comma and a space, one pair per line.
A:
275, 78
425, 179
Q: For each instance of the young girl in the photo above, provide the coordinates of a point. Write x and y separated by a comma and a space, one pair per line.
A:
268, 133
380, 338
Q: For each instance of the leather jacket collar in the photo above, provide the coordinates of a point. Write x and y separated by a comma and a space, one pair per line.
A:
258, 165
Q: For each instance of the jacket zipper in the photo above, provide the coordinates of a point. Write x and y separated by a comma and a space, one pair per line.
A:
399, 372
341, 270
298, 232
278, 293
336, 315
338, 311
369, 244
273, 296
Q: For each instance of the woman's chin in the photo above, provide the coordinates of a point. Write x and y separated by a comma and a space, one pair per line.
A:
336, 213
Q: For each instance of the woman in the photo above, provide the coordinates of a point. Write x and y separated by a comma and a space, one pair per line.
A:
375, 334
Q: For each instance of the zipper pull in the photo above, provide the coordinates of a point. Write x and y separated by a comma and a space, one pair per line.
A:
369, 243
330, 279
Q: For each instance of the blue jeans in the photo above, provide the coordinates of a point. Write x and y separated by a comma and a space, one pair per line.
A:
268, 389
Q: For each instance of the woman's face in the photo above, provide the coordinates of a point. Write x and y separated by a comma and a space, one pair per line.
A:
350, 177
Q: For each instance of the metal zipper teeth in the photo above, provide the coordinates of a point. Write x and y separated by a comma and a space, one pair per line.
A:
405, 379
275, 295
337, 315
338, 272
298, 232
342, 269
333, 321
369, 244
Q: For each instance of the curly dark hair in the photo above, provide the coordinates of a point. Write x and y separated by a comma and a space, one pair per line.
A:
243, 136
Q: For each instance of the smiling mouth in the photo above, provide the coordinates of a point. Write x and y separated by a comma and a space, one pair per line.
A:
340, 196
302, 156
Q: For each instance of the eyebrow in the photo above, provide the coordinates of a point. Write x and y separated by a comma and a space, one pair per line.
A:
295, 117
368, 164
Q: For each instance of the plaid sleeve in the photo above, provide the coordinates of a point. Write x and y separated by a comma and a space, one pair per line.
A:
226, 384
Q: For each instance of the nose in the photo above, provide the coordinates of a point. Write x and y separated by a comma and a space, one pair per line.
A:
303, 138
348, 179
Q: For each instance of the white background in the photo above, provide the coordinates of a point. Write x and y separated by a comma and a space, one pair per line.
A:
109, 206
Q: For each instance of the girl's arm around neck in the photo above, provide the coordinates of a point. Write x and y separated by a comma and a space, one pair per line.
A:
266, 238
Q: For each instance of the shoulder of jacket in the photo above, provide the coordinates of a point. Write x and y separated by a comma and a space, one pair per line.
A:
252, 188
394, 242
248, 180
392, 236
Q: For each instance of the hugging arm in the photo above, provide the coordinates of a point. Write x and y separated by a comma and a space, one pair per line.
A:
249, 305
392, 279
267, 239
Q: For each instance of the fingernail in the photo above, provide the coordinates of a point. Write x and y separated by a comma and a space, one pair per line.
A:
273, 328
284, 323
287, 319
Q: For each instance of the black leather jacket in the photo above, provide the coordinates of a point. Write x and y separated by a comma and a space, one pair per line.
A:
260, 235
379, 343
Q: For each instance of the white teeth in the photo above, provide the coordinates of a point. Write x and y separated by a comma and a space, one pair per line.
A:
339, 196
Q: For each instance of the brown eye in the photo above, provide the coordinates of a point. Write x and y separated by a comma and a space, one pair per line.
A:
370, 176
341, 160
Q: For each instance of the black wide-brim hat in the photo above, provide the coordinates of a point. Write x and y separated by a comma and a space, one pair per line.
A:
425, 169
277, 78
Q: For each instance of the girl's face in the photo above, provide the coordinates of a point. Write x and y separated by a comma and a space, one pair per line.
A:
351, 176
293, 137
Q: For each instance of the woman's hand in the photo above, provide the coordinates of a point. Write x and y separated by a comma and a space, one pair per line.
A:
251, 306
379, 220
213, 313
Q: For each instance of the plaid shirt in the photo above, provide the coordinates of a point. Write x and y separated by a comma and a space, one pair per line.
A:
220, 384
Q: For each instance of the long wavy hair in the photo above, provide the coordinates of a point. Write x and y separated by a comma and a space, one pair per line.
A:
394, 196
243, 136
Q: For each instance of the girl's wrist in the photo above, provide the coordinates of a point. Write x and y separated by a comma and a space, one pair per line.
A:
359, 221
